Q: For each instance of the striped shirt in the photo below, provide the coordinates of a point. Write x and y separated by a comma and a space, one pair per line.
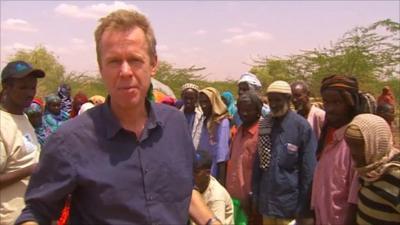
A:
379, 201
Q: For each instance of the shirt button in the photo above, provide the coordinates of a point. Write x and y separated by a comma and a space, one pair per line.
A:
146, 171
149, 197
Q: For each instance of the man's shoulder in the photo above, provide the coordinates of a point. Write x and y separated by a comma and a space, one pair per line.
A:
83, 122
165, 112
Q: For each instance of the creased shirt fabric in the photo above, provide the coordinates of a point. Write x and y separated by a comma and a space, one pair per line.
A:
113, 176
281, 190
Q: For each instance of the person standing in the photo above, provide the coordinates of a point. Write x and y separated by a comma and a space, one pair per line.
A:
19, 147
285, 162
121, 160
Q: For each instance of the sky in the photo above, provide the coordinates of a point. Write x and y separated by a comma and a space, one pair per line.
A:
225, 37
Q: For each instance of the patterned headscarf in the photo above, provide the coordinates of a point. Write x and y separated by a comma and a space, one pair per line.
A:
378, 145
251, 80
65, 96
35, 107
219, 110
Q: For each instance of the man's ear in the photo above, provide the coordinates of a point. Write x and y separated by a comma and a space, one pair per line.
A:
154, 65
208, 172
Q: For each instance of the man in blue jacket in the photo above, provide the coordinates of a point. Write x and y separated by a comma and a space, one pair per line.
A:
285, 162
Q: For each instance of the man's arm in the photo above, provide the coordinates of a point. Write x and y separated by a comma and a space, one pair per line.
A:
13, 177
307, 165
49, 185
198, 210
222, 150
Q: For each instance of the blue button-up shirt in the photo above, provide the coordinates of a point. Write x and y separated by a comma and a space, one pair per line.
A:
114, 177
283, 189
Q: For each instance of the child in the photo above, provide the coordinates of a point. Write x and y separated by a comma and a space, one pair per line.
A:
378, 165
213, 193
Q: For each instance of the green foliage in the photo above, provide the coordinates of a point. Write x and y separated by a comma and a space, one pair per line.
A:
371, 54
43, 59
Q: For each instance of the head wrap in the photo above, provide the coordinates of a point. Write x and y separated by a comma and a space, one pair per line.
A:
52, 98
230, 101
219, 110
387, 97
189, 86
344, 84
34, 108
279, 86
378, 145
85, 106
97, 99
79, 99
251, 79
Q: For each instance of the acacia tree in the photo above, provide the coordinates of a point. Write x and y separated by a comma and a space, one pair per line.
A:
371, 54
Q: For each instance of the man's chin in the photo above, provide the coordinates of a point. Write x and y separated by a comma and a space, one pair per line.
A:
279, 113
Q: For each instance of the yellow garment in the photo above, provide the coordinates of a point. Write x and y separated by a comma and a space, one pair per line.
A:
219, 110
19, 148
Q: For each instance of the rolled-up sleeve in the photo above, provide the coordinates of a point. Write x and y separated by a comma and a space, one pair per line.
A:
50, 184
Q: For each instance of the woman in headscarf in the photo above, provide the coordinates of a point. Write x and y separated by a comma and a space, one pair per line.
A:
215, 132
230, 102
35, 115
79, 99
53, 115
64, 92
335, 184
387, 97
97, 99
378, 165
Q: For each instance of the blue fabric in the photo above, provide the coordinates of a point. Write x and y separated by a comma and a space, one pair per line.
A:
114, 177
218, 147
282, 190
53, 122
190, 119
231, 102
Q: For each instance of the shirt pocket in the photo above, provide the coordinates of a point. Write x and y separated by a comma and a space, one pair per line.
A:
174, 182
288, 155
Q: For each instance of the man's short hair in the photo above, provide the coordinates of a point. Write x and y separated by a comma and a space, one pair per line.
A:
302, 84
202, 160
122, 20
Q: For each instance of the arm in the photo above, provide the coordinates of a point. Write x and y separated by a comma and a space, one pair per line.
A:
13, 177
307, 163
50, 184
222, 173
198, 210
255, 181
9, 178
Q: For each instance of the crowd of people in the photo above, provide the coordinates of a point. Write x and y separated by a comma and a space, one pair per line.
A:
271, 156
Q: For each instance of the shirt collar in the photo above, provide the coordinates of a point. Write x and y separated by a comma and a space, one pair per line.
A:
252, 129
113, 126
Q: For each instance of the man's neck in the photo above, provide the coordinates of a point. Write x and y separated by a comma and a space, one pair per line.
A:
131, 118
10, 108
305, 111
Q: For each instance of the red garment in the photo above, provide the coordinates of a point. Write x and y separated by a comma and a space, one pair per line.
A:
79, 99
63, 220
386, 97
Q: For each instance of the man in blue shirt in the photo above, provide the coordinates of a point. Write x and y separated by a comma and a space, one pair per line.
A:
127, 161
285, 162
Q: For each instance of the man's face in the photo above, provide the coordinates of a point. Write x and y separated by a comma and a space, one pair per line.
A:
201, 177
243, 87
299, 97
248, 112
337, 110
22, 91
279, 104
126, 66
190, 97
205, 104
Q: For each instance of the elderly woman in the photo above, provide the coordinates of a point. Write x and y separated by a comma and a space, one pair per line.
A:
215, 132
378, 165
